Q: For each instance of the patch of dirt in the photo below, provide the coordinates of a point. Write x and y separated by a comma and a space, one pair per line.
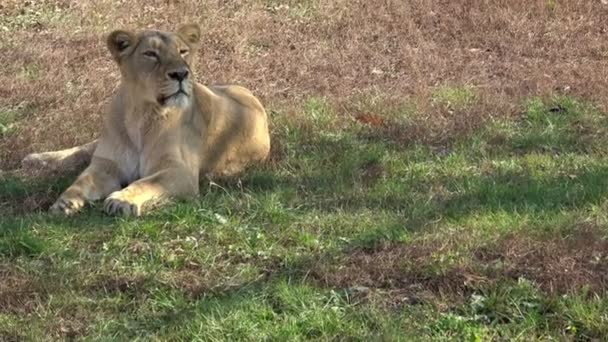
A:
20, 293
71, 323
394, 269
191, 279
558, 266
192, 283
196, 281
371, 172
132, 285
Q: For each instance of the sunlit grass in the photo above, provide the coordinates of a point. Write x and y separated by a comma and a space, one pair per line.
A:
239, 262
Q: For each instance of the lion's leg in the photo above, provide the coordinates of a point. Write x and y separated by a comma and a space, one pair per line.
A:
98, 180
71, 159
176, 181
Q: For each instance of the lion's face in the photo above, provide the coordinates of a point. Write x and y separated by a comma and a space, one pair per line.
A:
156, 64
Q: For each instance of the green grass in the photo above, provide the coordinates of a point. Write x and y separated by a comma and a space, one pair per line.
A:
454, 97
34, 15
8, 119
299, 10
261, 259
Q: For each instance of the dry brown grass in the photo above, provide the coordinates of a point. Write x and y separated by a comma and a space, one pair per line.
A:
556, 265
20, 293
390, 51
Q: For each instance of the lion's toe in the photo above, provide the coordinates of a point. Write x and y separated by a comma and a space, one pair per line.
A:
117, 204
67, 206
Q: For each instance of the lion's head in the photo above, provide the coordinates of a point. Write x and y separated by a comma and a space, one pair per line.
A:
156, 64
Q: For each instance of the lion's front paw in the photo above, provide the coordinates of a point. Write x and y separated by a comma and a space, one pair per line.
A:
119, 203
68, 204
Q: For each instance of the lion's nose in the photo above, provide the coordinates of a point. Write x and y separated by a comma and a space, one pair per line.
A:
178, 75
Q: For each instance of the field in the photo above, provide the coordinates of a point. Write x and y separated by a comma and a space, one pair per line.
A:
439, 171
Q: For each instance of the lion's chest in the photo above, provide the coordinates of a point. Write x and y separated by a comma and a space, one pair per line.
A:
144, 133
136, 131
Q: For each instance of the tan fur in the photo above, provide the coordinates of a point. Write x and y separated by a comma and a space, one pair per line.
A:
157, 144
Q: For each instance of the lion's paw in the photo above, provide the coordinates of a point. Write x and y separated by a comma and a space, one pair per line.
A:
118, 203
68, 204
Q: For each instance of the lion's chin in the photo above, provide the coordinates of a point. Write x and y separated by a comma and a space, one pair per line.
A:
178, 100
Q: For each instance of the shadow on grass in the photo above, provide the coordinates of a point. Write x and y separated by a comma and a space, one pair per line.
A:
512, 191
22, 196
341, 173
516, 285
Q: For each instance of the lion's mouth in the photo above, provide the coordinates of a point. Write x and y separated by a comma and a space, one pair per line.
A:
162, 99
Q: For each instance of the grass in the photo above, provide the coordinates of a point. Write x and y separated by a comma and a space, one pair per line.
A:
437, 173
336, 237
9, 118
34, 16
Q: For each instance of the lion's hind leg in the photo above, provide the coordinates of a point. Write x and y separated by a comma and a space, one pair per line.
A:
71, 159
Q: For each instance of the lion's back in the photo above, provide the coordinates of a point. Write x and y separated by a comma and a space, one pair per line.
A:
237, 133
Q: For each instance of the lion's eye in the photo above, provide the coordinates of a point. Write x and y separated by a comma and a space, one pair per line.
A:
151, 54
183, 52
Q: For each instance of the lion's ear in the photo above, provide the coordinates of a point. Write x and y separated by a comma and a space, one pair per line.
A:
191, 33
119, 42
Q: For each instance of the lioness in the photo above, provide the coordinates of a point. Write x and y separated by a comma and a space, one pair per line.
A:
162, 130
